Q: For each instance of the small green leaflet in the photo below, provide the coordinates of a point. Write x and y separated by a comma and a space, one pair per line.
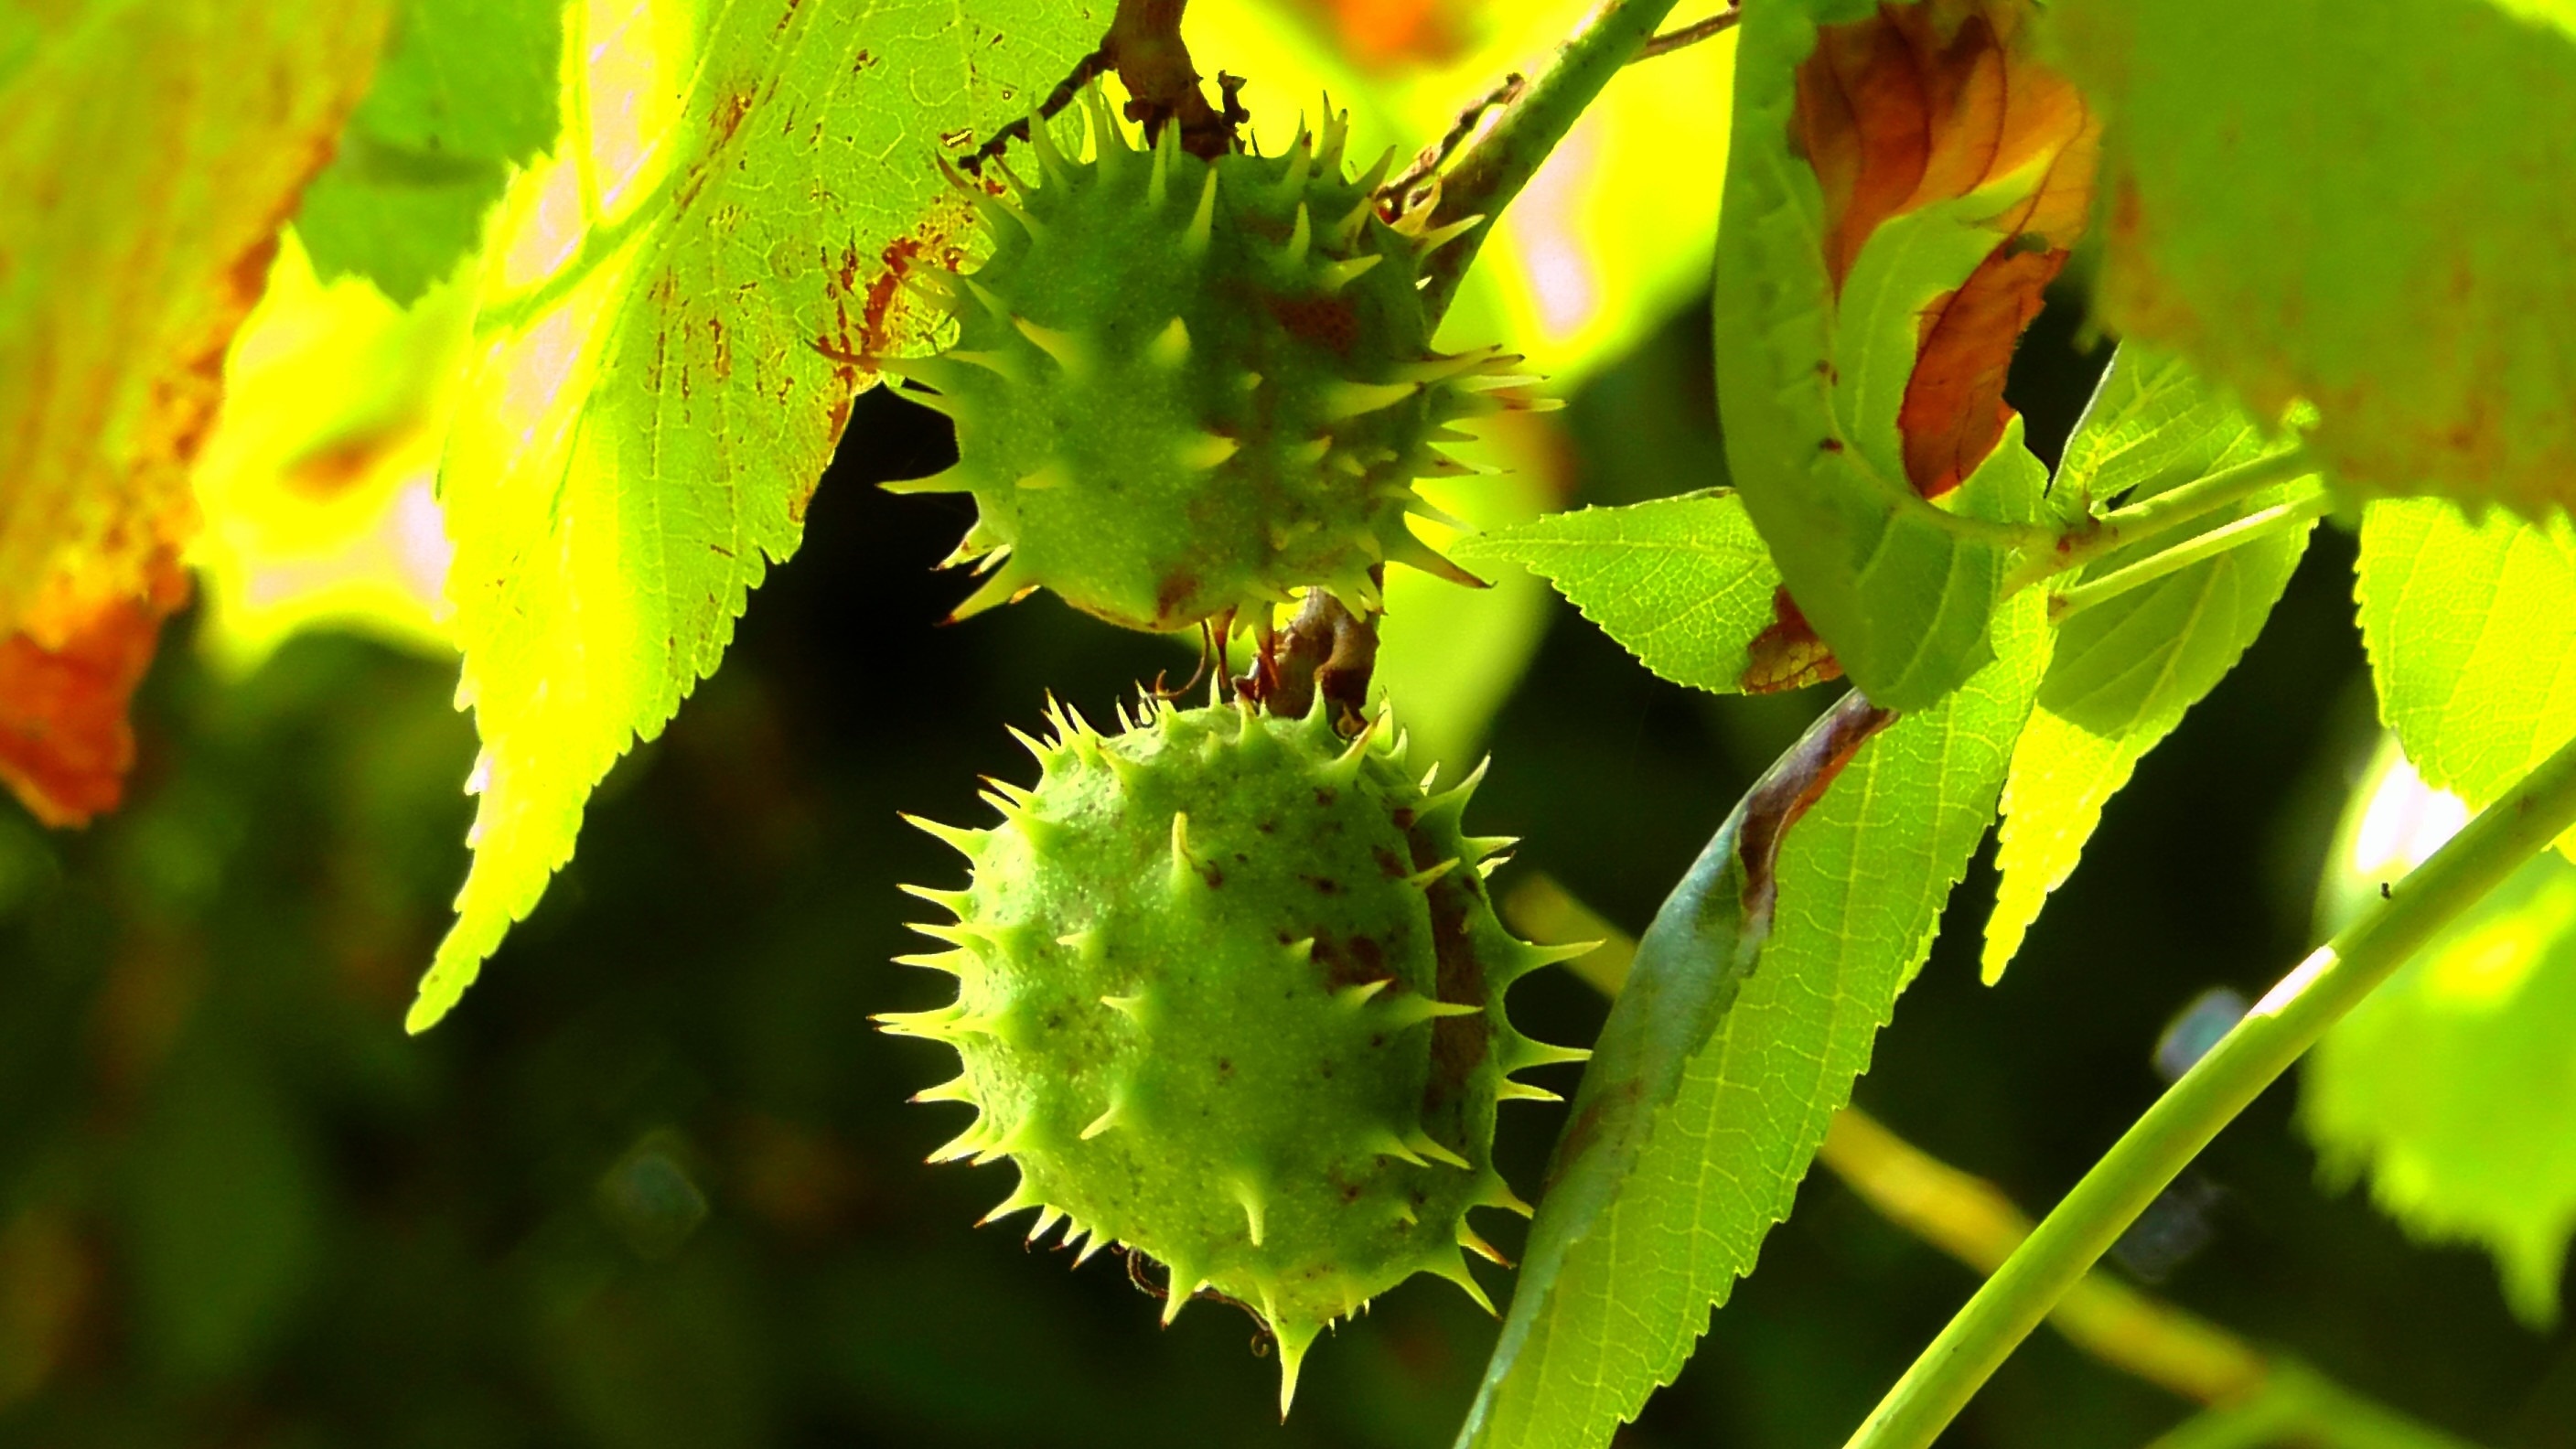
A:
465, 92
1810, 388
656, 388
2452, 1088
2471, 628
2362, 203
1743, 1025
1683, 583
2126, 670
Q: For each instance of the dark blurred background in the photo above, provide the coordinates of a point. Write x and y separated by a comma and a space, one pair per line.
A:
655, 1184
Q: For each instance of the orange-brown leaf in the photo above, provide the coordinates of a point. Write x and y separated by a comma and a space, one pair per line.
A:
1787, 655
152, 152
1954, 410
65, 743
1920, 104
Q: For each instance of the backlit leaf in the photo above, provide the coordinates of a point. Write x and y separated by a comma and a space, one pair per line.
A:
2452, 1087
1750, 1010
465, 92
1684, 583
2126, 670
2468, 626
2360, 205
1904, 181
667, 308
150, 151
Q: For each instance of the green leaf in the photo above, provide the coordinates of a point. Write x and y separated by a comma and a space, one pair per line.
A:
653, 400
2153, 425
1750, 1011
1811, 380
2466, 624
2362, 205
2453, 1087
1682, 583
2126, 670
467, 90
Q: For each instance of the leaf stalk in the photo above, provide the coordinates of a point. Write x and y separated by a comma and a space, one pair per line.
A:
2148, 1157
2170, 509
2297, 513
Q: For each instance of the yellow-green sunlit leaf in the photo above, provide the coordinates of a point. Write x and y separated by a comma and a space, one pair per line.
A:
671, 309
2126, 671
2452, 1088
1682, 583
2363, 205
2466, 623
1862, 329
1752, 1006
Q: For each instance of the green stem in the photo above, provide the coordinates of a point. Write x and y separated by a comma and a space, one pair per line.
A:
2147, 1158
2148, 517
1492, 168
2297, 513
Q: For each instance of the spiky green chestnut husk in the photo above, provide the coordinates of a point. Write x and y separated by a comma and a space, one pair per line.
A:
1183, 388
1231, 994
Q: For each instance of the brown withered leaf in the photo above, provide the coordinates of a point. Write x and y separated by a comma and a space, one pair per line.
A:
1787, 655
1954, 410
1921, 104
150, 155
65, 742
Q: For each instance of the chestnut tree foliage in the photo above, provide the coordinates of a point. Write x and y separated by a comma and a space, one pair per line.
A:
614, 273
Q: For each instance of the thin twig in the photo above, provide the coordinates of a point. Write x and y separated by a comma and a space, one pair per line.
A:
1330, 651
1086, 70
2173, 1348
1145, 49
1396, 195
1499, 159
1689, 35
